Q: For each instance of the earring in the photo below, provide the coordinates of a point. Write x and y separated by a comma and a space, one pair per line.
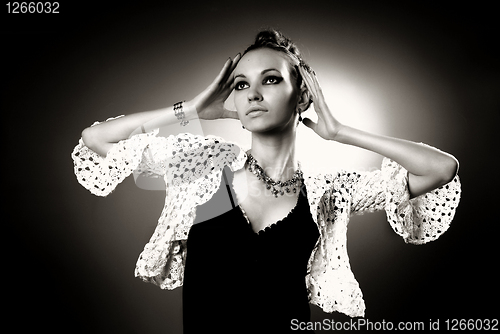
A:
243, 127
300, 114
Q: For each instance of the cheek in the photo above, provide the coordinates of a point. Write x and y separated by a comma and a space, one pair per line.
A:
287, 100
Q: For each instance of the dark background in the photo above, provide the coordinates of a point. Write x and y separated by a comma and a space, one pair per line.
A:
69, 256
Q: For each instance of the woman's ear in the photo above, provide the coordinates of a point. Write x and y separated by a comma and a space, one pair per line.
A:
304, 99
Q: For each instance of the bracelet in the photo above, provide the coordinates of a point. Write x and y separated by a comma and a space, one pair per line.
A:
179, 113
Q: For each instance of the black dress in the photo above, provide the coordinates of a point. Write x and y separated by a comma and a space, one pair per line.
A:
239, 281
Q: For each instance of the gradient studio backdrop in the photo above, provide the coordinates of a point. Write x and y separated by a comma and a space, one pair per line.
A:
419, 72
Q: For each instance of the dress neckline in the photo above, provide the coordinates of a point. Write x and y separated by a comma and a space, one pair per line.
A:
278, 222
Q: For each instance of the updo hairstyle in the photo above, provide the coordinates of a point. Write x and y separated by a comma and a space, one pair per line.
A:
275, 40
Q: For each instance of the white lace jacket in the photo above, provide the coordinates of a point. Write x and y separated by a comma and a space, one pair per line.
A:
191, 167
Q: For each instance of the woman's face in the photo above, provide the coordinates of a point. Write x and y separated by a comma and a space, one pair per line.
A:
265, 93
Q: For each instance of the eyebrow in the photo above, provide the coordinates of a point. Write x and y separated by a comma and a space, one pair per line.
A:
263, 72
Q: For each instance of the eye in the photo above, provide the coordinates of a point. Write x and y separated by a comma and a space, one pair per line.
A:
241, 85
272, 80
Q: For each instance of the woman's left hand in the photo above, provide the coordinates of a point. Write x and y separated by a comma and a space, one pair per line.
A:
428, 167
327, 126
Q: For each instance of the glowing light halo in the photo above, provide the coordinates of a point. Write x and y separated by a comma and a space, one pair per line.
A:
352, 105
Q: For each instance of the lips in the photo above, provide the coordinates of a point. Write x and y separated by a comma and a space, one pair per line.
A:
254, 110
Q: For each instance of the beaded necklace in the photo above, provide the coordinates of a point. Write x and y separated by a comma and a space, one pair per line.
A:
276, 187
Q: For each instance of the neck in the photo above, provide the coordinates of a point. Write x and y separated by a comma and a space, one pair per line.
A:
275, 154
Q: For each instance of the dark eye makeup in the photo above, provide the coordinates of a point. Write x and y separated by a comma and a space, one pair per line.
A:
272, 80
269, 80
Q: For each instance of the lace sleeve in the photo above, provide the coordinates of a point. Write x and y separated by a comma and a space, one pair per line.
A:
418, 220
100, 175
193, 174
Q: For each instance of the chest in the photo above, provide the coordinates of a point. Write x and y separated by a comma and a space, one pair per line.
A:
260, 206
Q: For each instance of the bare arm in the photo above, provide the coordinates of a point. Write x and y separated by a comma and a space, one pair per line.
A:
428, 167
207, 105
101, 137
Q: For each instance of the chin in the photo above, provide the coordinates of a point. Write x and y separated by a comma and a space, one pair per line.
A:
269, 128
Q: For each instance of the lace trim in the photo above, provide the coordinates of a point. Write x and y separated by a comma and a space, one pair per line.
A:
332, 199
100, 175
331, 283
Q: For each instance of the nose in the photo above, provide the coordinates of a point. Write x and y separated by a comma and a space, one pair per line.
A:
254, 94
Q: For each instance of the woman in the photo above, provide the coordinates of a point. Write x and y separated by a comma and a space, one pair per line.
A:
257, 266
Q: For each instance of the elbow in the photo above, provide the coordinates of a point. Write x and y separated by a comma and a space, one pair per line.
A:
441, 172
88, 137
448, 169
91, 140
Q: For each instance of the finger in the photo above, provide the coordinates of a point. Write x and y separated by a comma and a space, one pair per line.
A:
309, 83
232, 85
312, 85
232, 65
235, 62
223, 73
307, 78
313, 80
303, 73
309, 123
230, 73
227, 78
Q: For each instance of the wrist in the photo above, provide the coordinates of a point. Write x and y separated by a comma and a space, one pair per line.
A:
190, 110
344, 134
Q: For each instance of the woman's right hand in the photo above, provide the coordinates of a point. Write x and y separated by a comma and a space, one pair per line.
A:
209, 104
